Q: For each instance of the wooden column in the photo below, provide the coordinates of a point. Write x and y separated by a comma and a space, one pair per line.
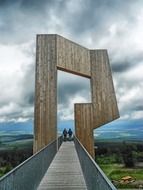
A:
45, 129
84, 126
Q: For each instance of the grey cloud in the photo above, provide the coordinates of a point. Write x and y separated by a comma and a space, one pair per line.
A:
133, 107
72, 87
20, 102
66, 92
134, 104
121, 67
31, 4
30, 99
21, 20
96, 16
28, 85
126, 62
124, 84
16, 116
35, 5
138, 108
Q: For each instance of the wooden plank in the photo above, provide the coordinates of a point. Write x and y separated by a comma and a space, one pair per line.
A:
65, 171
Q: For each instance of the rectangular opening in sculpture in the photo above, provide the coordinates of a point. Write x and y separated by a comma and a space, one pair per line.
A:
71, 89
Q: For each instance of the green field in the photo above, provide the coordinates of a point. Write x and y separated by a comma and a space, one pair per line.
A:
116, 171
109, 157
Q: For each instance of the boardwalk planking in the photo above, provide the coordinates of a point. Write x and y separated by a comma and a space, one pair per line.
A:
65, 171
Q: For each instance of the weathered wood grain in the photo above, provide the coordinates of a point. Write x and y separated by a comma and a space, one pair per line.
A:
84, 126
72, 57
103, 95
54, 52
45, 91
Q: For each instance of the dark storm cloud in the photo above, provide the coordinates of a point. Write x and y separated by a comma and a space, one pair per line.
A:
108, 21
138, 108
28, 85
121, 67
21, 20
67, 91
73, 86
126, 63
30, 98
30, 4
97, 15
134, 106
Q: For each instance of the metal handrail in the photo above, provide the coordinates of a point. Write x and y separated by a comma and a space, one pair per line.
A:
28, 174
94, 176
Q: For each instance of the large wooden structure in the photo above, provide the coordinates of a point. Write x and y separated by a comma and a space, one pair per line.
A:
54, 52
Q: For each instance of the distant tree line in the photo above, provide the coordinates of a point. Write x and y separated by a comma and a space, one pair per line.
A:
119, 152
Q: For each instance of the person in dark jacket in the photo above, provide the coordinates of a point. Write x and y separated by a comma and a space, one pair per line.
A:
65, 134
70, 134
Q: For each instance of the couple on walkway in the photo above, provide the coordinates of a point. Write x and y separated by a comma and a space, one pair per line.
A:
69, 133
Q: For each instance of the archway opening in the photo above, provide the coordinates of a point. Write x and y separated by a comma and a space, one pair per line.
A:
71, 89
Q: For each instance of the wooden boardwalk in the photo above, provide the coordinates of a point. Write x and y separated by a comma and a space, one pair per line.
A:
65, 171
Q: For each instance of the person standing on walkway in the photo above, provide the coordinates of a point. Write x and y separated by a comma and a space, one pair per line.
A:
65, 134
70, 134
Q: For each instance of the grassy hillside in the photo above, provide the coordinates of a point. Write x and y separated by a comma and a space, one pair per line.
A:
110, 157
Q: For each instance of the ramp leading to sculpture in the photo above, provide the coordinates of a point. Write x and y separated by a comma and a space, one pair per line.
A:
65, 171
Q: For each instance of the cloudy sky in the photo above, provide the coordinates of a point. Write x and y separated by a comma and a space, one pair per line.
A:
114, 25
